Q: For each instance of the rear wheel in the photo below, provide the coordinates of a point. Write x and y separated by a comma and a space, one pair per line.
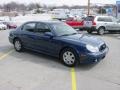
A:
69, 57
89, 31
18, 45
101, 31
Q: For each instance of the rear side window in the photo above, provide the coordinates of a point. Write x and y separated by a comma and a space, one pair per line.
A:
100, 19
108, 20
104, 19
29, 27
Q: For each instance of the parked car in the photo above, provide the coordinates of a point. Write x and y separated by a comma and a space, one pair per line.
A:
2, 26
60, 14
60, 40
100, 24
85, 23
10, 25
76, 24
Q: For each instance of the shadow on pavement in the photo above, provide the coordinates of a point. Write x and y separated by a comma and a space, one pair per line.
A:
48, 61
42, 59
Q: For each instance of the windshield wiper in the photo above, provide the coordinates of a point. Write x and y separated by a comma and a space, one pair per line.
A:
65, 35
69, 34
73, 33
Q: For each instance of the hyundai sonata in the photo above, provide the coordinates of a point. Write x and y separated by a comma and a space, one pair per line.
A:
60, 40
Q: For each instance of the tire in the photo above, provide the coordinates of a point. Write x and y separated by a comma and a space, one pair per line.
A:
89, 31
101, 31
18, 45
69, 57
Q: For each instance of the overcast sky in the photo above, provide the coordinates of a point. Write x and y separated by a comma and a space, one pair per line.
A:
61, 2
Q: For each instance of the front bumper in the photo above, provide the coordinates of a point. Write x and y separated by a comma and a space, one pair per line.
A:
93, 57
10, 39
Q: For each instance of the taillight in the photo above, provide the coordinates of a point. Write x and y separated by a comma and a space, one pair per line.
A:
94, 23
82, 23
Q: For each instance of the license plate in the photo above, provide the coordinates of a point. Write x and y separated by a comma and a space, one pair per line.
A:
87, 23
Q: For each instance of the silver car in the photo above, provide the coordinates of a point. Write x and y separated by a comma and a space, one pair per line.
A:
102, 24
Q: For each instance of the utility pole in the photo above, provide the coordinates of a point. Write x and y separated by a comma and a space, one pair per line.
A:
88, 7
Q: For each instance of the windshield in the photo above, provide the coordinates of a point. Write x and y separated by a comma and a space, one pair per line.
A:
62, 29
89, 18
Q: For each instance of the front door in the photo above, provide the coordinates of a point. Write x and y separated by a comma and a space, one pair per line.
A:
44, 43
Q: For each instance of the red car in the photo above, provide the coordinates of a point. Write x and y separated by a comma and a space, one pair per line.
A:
75, 24
86, 23
10, 25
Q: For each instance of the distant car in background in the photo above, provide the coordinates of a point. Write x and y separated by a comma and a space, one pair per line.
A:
83, 23
100, 24
10, 25
2, 26
77, 24
60, 14
88, 23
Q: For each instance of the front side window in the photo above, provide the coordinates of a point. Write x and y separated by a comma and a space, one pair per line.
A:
42, 28
29, 27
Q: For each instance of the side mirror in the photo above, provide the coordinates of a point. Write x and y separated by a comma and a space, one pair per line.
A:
49, 34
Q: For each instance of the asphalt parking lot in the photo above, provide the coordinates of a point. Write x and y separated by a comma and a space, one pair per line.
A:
34, 71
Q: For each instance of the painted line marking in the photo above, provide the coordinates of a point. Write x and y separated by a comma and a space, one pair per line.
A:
5, 55
73, 77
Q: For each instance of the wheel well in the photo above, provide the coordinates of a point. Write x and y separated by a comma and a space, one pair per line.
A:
66, 48
15, 39
101, 27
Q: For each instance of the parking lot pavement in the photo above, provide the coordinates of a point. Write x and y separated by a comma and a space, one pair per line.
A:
33, 71
105, 75
114, 34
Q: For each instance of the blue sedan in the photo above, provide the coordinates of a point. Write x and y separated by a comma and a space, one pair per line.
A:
60, 40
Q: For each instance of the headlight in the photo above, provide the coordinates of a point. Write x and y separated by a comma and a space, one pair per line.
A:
92, 48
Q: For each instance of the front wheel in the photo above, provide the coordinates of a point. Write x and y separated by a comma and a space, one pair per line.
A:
18, 45
69, 57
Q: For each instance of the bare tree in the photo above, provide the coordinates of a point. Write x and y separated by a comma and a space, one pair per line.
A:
13, 6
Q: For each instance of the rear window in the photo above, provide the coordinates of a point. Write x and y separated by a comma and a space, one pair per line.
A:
89, 18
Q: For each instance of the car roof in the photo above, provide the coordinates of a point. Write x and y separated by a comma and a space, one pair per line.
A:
46, 21
103, 16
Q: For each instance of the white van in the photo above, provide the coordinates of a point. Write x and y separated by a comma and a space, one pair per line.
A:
60, 13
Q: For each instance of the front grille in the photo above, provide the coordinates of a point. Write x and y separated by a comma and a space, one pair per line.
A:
102, 47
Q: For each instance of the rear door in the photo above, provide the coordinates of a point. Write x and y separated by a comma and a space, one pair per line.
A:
116, 24
27, 34
109, 23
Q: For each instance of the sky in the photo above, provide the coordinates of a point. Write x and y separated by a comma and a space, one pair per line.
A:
61, 2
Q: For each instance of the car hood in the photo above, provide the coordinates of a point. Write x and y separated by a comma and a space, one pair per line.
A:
84, 39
